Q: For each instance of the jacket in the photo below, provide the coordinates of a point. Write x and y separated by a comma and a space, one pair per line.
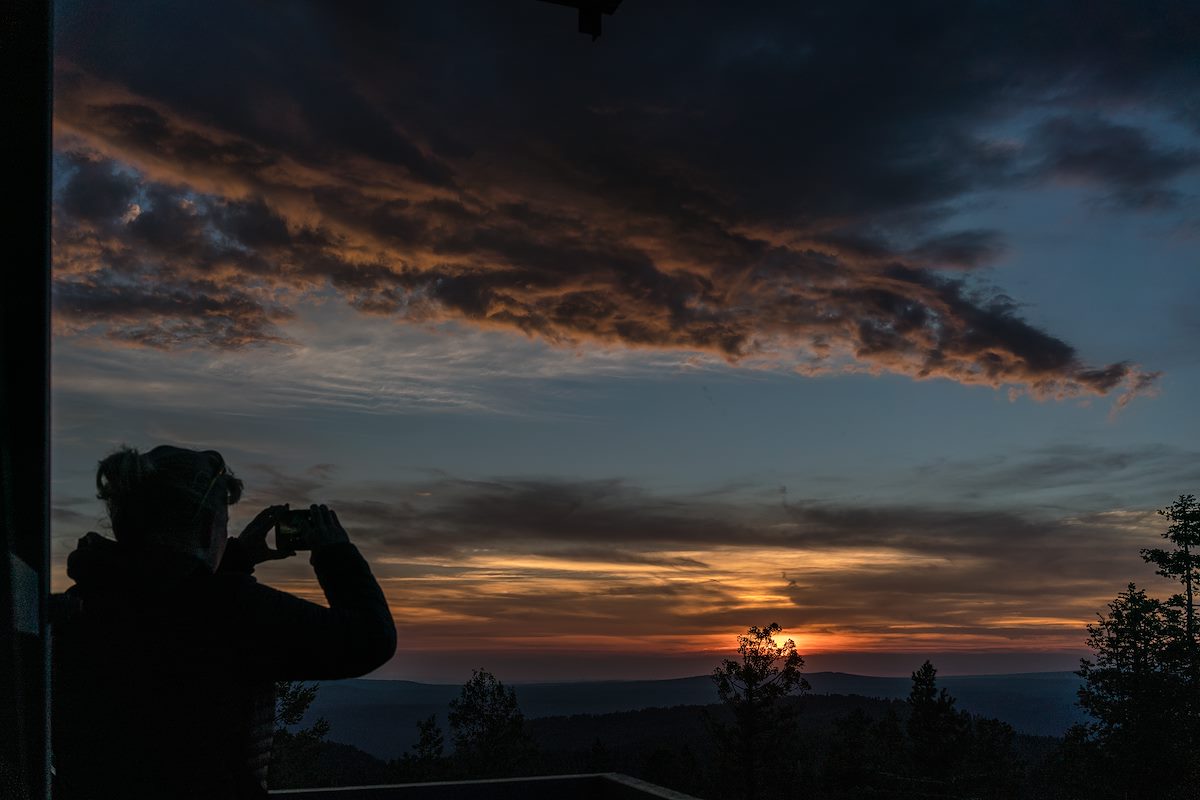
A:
163, 672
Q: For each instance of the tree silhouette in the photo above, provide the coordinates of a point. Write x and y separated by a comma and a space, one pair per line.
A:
1075, 770
753, 687
937, 732
991, 768
863, 756
1138, 691
293, 755
1182, 564
430, 741
427, 761
488, 729
292, 699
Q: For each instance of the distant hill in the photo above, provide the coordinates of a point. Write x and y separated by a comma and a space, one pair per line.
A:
1037, 703
380, 716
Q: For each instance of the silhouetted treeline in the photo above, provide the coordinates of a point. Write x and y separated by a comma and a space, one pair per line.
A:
824, 746
673, 747
840, 746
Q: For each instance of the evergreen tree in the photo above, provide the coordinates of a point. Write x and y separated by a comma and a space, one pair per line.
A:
937, 732
1182, 563
488, 728
1136, 688
1143, 687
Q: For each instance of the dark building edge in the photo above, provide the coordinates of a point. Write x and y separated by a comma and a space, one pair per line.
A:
25, 46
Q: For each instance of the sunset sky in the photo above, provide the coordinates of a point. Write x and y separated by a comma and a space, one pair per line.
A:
878, 320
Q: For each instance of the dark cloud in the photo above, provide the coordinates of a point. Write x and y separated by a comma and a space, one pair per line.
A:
1123, 159
322, 471
148, 129
166, 317
463, 513
1135, 471
963, 249
160, 265
771, 182
282, 486
96, 191
572, 519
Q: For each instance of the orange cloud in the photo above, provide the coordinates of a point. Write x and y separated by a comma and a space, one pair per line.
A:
169, 232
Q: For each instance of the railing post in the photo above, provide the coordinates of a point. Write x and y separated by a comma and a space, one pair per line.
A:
26, 30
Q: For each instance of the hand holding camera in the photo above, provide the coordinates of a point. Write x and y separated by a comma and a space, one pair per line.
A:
308, 529
254, 536
302, 529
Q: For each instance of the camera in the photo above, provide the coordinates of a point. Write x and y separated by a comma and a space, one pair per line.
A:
295, 530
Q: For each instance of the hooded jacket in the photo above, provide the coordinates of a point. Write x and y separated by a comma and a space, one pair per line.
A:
163, 672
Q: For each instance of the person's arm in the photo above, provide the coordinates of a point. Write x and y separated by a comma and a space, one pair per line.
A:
288, 638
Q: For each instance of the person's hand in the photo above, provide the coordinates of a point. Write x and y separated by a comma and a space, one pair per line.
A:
254, 536
326, 528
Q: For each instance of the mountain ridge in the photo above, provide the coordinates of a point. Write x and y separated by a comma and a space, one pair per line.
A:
380, 715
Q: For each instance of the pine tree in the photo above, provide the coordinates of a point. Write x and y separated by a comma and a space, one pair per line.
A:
937, 731
1182, 563
1136, 689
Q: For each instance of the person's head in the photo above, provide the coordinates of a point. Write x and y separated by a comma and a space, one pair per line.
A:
169, 498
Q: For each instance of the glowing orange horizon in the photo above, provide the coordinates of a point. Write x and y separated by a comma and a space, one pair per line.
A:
696, 603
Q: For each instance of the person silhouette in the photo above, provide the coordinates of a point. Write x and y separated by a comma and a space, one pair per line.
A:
166, 650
